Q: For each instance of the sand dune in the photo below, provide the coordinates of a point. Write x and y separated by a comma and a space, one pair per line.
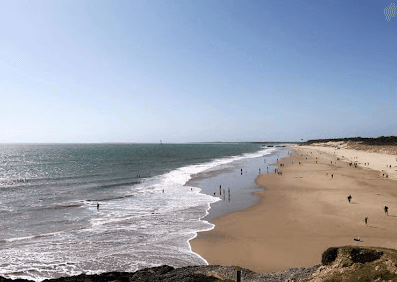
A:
372, 157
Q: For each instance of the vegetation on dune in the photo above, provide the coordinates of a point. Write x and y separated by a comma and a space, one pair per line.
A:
329, 256
349, 263
382, 140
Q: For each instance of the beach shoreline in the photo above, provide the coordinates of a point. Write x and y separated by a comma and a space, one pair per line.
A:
303, 212
235, 184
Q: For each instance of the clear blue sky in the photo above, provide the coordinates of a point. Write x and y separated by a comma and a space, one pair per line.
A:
196, 70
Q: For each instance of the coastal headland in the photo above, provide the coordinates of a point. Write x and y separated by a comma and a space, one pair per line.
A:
305, 210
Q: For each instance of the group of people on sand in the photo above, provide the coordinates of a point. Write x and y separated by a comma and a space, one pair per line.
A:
386, 209
350, 197
224, 192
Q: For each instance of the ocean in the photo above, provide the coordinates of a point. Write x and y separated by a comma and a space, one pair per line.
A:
153, 199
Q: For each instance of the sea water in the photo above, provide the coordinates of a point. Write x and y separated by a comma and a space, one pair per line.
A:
50, 225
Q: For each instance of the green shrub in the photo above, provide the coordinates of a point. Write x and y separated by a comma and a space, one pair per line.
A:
329, 256
362, 256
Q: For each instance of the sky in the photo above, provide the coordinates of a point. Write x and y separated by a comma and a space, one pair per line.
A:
196, 70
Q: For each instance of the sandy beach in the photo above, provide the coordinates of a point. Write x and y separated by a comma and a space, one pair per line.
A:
305, 210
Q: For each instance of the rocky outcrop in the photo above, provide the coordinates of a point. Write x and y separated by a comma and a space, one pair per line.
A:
210, 273
347, 263
356, 264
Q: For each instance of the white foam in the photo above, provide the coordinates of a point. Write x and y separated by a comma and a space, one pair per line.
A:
150, 197
180, 176
211, 226
161, 225
18, 238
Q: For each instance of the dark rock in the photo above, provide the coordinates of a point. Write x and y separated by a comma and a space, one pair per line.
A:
2, 279
209, 273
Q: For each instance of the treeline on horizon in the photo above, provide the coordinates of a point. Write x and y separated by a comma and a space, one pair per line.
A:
382, 140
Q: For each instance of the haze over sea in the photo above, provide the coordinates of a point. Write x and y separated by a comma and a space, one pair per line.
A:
50, 225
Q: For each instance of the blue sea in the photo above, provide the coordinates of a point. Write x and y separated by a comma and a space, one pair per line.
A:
153, 199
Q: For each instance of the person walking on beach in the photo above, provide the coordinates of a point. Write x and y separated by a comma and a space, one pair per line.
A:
97, 206
220, 189
366, 220
349, 198
386, 210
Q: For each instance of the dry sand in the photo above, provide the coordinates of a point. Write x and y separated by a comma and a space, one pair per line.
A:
304, 211
381, 158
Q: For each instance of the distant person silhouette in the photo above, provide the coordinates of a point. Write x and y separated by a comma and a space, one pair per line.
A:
386, 210
349, 198
97, 206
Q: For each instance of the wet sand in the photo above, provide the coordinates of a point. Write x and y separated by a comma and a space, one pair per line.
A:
303, 212
241, 183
